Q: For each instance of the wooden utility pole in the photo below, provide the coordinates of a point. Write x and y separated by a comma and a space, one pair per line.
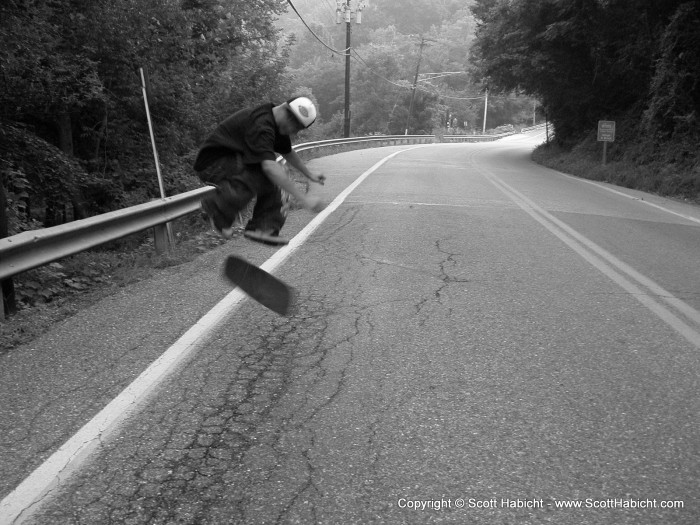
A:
415, 82
348, 32
344, 13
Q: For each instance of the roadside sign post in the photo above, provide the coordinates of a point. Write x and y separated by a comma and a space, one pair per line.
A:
606, 133
163, 233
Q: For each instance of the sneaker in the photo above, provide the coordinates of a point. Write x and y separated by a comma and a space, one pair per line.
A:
212, 214
266, 237
227, 233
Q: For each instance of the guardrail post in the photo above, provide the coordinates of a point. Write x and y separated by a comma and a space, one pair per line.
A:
7, 298
162, 238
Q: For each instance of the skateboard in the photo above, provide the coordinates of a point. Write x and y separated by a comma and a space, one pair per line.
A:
265, 288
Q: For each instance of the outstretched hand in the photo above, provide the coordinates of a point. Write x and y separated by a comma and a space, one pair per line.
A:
314, 203
318, 179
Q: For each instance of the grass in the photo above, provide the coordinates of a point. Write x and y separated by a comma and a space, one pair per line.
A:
663, 176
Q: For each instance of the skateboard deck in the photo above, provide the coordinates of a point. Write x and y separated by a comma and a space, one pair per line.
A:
265, 288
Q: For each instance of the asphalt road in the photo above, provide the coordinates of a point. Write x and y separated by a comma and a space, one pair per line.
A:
478, 340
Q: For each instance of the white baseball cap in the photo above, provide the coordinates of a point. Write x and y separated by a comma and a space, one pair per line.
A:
303, 109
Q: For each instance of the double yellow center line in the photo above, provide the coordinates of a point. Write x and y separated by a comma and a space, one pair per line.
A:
680, 316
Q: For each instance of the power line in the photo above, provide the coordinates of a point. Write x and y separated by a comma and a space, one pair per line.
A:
362, 61
478, 97
407, 85
341, 53
439, 75
369, 68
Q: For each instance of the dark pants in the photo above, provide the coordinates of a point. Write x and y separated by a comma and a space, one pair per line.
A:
236, 185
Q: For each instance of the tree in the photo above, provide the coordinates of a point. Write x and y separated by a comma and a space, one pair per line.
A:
69, 73
586, 60
674, 107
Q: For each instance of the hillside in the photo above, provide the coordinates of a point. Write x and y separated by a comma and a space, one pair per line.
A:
636, 64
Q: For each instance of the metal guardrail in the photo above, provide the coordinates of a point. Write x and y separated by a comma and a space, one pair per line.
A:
374, 140
35, 248
474, 138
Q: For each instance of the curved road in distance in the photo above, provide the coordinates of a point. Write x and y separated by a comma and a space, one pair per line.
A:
478, 340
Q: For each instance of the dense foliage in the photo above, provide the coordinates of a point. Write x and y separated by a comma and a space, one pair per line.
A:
637, 63
73, 130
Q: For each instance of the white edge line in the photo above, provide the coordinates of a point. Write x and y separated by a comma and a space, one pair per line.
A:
281, 255
602, 186
71, 455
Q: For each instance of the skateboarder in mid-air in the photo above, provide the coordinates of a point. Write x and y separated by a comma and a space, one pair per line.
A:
239, 158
